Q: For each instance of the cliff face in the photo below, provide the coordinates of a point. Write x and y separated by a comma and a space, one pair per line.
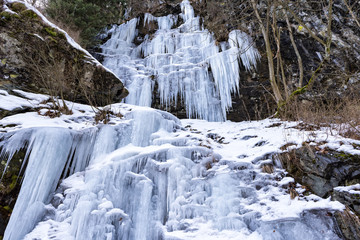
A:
338, 77
38, 57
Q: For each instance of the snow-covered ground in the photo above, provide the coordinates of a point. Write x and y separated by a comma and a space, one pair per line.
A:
148, 175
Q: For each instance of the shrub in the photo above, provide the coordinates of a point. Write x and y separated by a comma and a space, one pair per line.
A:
88, 17
338, 116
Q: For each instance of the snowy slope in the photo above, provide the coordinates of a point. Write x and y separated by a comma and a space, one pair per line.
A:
148, 175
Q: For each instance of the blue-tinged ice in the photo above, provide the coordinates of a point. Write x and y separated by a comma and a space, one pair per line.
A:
146, 178
184, 61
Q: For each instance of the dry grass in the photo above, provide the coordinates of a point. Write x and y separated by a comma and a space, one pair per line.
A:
340, 116
104, 115
71, 30
267, 168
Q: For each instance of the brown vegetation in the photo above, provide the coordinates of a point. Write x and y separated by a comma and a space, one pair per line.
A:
338, 116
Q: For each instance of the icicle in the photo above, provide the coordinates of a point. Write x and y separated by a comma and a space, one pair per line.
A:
12, 144
42, 174
185, 63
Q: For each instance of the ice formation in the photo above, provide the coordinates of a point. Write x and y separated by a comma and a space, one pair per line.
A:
183, 60
146, 177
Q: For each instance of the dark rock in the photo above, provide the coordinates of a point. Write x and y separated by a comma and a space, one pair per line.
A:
213, 136
349, 199
38, 58
321, 172
10, 187
253, 102
5, 113
156, 8
247, 137
260, 144
349, 224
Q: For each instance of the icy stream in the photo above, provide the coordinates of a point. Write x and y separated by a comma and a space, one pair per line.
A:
183, 60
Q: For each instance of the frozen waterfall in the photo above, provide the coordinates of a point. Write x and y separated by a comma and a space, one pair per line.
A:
146, 175
147, 178
183, 60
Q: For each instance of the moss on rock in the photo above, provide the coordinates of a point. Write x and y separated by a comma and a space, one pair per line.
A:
51, 31
10, 186
6, 16
18, 7
30, 14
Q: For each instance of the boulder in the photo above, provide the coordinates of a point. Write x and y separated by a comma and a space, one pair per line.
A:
349, 198
321, 171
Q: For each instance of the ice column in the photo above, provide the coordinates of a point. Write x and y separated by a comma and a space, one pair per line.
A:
49, 152
184, 63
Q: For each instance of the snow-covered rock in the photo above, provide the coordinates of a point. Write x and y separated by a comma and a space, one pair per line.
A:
37, 56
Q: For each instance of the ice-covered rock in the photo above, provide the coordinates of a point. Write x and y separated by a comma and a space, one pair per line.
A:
146, 177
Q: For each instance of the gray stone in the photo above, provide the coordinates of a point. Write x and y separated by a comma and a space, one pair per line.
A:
349, 199
348, 224
321, 171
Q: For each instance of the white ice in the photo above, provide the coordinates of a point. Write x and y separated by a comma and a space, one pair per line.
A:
184, 61
150, 176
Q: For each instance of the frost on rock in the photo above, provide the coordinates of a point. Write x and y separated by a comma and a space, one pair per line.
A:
185, 63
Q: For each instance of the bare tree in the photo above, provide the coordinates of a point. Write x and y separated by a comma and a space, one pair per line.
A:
265, 30
47, 71
353, 15
271, 33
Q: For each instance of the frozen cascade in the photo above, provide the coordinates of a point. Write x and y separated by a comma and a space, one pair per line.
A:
70, 152
183, 61
148, 178
144, 176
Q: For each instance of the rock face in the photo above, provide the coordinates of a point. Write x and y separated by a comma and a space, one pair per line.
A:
321, 172
9, 187
349, 198
339, 77
39, 58
348, 224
